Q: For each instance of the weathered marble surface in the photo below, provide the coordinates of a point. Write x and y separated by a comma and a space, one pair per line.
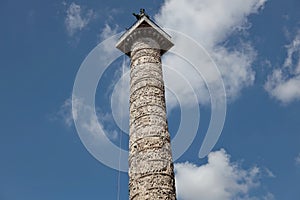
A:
151, 174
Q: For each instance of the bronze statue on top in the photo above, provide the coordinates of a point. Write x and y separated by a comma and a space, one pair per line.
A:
142, 14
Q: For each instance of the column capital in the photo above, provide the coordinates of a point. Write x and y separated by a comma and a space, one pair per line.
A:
144, 28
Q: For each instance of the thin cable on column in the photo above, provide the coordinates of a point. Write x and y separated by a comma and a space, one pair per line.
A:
120, 140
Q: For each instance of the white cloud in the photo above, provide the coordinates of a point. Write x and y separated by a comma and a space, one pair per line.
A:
269, 173
77, 18
284, 83
297, 160
211, 23
65, 112
68, 113
219, 179
108, 31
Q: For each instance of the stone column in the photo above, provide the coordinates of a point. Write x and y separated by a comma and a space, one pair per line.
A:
151, 173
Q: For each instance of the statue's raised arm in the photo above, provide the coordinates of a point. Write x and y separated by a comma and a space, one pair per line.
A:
142, 14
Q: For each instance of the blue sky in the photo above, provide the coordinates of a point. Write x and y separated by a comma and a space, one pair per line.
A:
256, 46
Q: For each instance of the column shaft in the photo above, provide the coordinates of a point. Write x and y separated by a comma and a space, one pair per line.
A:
151, 173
